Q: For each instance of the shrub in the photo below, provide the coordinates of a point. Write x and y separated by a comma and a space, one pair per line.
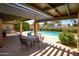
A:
26, 26
51, 29
73, 30
67, 38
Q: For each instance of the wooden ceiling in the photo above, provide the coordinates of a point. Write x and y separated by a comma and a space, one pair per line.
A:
58, 10
19, 9
8, 17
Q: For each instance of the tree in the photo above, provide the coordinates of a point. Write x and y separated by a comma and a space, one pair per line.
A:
68, 24
75, 23
57, 21
74, 20
45, 23
26, 26
59, 24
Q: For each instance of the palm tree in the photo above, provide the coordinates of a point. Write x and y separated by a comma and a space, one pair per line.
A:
45, 23
68, 24
75, 22
58, 22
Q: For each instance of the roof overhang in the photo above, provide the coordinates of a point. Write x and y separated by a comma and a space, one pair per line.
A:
22, 11
44, 11
58, 11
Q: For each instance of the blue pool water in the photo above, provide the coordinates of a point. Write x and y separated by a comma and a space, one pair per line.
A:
51, 33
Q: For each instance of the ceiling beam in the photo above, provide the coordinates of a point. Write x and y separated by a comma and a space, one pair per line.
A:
45, 20
67, 17
56, 4
55, 10
8, 17
68, 10
58, 12
73, 16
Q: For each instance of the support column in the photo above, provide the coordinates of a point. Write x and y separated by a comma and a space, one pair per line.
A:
21, 27
78, 33
1, 41
36, 26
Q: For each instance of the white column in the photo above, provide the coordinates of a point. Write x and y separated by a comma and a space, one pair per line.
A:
78, 33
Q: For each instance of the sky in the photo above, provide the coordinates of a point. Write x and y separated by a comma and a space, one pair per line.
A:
32, 21
65, 22
69, 21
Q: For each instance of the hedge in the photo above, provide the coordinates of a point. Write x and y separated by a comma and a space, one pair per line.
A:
67, 38
74, 30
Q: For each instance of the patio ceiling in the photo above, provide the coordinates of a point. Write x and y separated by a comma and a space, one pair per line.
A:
58, 11
44, 11
13, 10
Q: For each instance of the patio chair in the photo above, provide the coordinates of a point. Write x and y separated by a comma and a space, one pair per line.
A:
29, 34
24, 42
37, 41
41, 38
4, 34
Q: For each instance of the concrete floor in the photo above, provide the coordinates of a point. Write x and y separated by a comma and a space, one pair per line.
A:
12, 47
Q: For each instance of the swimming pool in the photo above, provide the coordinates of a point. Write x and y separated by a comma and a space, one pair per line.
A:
50, 33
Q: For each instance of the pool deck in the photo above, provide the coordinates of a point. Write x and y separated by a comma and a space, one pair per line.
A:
54, 40
49, 47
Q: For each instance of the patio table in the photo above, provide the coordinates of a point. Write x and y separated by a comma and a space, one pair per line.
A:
32, 39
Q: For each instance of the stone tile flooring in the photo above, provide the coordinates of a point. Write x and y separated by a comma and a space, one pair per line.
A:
12, 47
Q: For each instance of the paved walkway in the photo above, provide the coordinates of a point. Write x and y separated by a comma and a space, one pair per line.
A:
49, 47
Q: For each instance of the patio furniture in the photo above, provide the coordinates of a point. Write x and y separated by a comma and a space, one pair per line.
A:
37, 41
24, 41
33, 39
29, 34
41, 38
4, 34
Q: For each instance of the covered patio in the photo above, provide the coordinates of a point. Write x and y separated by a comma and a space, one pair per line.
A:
12, 47
40, 12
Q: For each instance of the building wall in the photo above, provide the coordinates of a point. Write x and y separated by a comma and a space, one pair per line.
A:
8, 27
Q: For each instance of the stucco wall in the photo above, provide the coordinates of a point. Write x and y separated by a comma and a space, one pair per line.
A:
8, 27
